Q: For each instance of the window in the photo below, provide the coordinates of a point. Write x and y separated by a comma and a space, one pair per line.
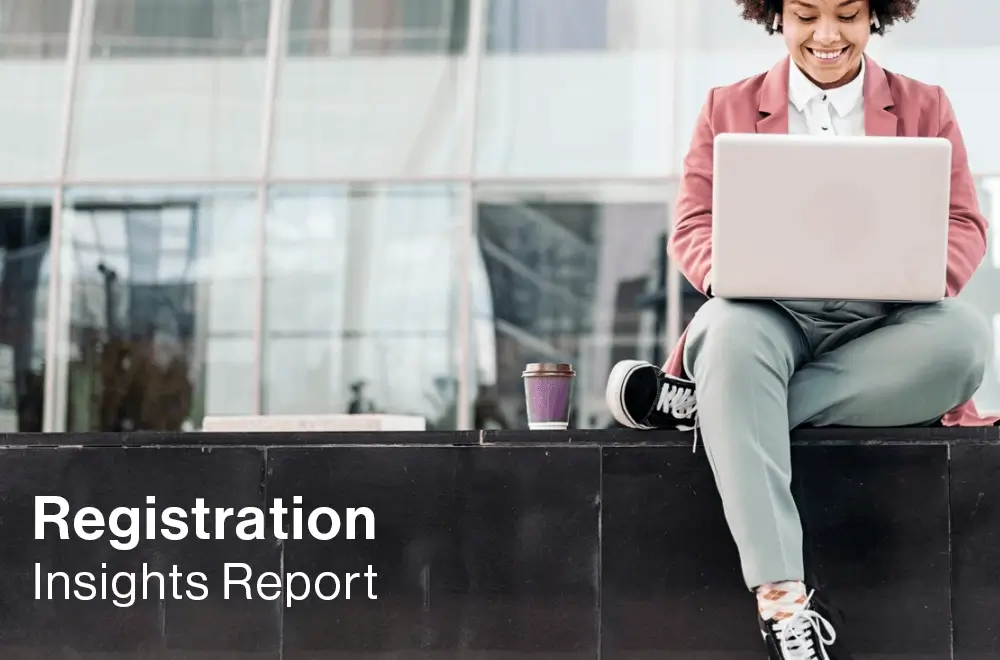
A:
31, 29
373, 27
180, 28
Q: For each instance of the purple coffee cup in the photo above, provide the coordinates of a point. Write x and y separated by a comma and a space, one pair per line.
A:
548, 391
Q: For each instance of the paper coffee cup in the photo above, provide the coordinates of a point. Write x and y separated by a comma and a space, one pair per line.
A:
548, 392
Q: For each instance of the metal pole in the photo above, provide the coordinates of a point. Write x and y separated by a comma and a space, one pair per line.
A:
675, 297
53, 417
276, 25
475, 45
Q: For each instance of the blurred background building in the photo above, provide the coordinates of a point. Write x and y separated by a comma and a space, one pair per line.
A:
313, 206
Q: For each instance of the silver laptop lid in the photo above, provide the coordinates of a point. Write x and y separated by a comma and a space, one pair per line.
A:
836, 218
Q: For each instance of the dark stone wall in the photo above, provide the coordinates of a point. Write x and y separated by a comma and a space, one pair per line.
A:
606, 544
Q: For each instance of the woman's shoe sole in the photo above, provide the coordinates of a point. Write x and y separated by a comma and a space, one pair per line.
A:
614, 394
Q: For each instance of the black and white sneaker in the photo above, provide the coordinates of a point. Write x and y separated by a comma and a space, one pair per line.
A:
641, 396
806, 635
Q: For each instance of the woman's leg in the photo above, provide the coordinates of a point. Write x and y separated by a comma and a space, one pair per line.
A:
742, 356
916, 365
756, 379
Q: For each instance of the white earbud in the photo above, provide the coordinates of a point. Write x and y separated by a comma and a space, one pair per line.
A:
875, 21
777, 24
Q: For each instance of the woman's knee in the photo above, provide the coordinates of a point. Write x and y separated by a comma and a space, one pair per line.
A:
963, 342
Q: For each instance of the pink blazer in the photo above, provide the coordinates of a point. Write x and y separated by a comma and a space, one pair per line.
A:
894, 105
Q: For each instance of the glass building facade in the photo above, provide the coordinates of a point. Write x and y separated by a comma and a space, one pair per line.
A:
327, 206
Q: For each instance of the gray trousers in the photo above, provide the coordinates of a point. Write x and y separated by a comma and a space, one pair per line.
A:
762, 368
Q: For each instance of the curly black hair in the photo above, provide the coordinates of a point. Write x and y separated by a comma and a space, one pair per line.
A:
888, 12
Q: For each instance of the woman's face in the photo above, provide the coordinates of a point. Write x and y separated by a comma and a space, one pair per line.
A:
827, 38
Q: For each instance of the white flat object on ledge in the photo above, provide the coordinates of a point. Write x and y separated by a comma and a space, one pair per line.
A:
313, 423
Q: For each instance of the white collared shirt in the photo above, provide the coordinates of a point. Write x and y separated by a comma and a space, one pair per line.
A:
815, 111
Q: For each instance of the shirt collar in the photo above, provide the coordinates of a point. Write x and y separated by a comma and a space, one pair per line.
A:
844, 99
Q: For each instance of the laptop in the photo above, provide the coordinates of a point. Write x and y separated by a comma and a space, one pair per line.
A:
802, 217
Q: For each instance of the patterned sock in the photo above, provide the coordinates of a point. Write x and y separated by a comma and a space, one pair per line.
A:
780, 600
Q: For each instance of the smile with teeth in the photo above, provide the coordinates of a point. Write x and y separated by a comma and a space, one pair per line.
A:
828, 55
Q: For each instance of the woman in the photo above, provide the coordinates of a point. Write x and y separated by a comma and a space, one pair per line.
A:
815, 363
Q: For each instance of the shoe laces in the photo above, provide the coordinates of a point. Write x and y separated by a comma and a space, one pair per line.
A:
679, 402
795, 634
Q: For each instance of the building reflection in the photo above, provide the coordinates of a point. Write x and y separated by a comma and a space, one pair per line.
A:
156, 328
578, 280
25, 235
147, 284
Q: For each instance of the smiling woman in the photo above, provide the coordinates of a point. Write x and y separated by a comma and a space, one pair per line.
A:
827, 38
755, 368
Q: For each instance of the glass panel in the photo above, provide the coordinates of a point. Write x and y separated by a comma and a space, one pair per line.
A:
377, 27
612, 62
156, 323
361, 301
983, 291
356, 101
172, 89
720, 48
949, 44
25, 232
949, 25
568, 274
33, 37
34, 29
179, 28
539, 26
